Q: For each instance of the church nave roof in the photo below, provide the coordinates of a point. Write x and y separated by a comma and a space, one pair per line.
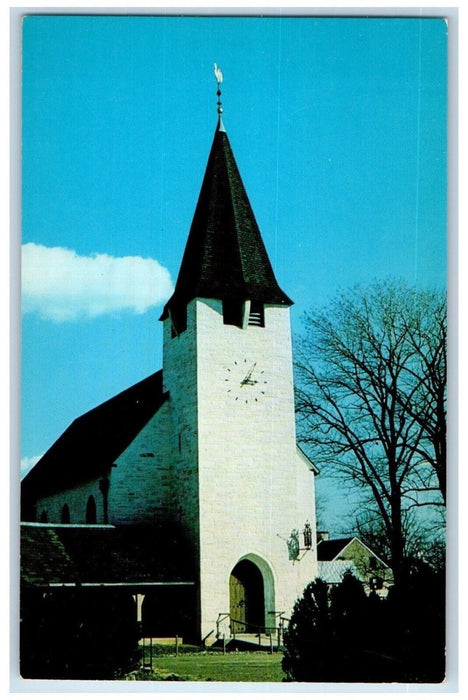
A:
95, 440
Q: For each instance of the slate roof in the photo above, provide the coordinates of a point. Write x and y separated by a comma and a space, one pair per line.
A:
327, 550
333, 571
92, 443
72, 554
225, 257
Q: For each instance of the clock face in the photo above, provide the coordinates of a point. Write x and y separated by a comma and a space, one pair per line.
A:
245, 381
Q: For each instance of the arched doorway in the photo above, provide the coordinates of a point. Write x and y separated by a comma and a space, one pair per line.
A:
246, 598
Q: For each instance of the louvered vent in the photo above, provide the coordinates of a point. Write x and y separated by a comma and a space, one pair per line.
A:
256, 315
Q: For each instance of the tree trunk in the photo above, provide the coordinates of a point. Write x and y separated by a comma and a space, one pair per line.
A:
397, 542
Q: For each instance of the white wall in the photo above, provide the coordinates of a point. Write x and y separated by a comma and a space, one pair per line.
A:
253, 489
141, 482
180, 379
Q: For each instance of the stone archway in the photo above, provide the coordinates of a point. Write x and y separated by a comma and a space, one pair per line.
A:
251, 595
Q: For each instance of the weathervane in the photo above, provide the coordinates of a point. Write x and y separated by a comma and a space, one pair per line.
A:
219, 79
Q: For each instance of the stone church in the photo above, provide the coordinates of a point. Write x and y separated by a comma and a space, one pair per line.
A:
202, 454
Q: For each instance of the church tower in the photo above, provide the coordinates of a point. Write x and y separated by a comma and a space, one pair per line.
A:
202, 455
243, 489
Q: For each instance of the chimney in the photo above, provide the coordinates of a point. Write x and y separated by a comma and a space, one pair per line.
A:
322, 536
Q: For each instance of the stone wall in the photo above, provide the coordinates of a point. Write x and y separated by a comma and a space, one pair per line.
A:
76, 499
140, 484
253, 488
180, 380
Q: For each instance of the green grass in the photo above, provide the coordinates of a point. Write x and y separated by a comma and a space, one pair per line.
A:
257, 666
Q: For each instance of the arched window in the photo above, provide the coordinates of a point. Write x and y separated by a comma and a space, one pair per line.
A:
65, 514
91, 517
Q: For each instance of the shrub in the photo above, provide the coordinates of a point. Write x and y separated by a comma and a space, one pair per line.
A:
345, 636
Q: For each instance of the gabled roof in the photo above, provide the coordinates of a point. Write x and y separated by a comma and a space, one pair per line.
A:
54, 555
92, 443
327, 550
225, 257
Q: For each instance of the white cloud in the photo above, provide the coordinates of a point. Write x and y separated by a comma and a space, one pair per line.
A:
61, 285
27, 463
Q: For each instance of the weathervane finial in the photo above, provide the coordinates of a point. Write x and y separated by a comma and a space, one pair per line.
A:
219, 79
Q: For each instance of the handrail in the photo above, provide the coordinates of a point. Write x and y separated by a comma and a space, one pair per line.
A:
258, 630
221, 618
206, 637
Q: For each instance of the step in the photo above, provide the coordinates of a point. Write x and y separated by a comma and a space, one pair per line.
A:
254, 640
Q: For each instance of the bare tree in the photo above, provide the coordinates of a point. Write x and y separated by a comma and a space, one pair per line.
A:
424, 538
426, 332
371, 398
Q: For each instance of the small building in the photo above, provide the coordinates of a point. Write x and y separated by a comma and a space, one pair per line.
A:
336, 557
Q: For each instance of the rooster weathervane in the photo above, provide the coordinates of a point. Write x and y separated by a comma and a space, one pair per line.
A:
219, 79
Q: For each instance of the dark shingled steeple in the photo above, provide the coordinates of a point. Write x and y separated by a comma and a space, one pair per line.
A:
225, 257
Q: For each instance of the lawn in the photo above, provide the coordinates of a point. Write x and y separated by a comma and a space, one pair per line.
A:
256, 666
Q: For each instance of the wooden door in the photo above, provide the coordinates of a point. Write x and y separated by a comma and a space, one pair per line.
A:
237, 597
246, 598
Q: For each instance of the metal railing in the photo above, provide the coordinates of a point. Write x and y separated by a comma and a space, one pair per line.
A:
148, 651
265, 633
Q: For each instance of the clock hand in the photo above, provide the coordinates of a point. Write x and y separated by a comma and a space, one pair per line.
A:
247, 379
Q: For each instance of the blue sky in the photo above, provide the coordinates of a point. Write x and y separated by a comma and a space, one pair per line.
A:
338, 127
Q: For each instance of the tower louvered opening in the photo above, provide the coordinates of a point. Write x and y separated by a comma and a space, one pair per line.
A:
257, 315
